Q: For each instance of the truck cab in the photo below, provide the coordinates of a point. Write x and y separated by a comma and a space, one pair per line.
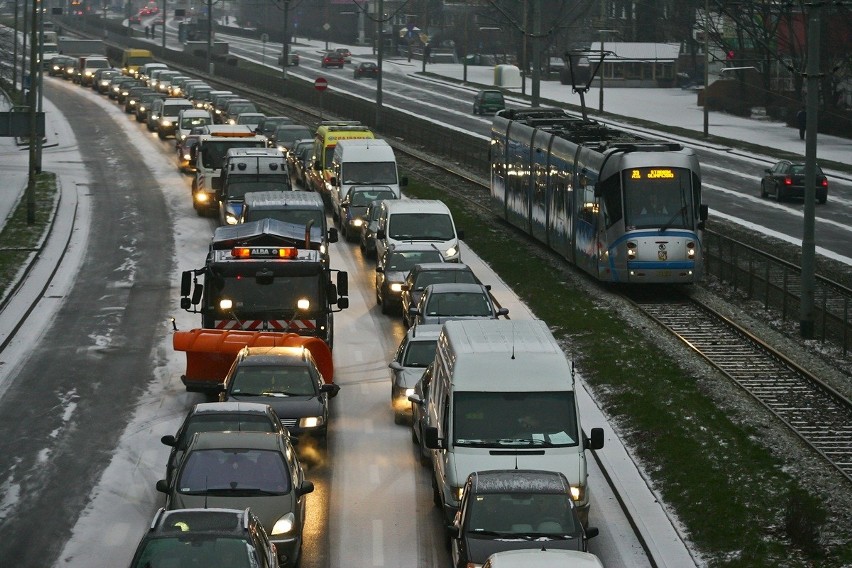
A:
248, 170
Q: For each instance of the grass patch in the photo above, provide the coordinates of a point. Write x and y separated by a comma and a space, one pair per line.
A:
18, 239
738, 505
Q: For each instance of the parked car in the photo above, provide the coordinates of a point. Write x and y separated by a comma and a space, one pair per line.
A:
192, 537
332, 59
366, 69
415, 352
488, 101
786, 180
515, 509
442, 302
422, 275
287, 379
218, 417
238, 470
392, 268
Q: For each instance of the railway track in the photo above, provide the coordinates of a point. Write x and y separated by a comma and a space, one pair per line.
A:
809, 407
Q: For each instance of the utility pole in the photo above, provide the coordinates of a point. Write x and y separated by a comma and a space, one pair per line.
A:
380, 48
210, 37
15, 51
536, 47
285, 48
164, 26
806, 303
31, 102
706, 67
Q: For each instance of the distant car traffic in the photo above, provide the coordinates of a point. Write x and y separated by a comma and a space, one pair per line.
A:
332, 59
488, 101
786, 180
366, 69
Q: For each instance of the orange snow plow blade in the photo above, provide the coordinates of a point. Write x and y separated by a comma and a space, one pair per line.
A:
211, 352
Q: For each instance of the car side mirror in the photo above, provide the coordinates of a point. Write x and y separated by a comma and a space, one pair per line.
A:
331, 388
333, 236
596, 442
162, 486
592, 532
433, 442
453, 530
394, 365
502, 312
403, 181
413, 398
168, 440
305, 488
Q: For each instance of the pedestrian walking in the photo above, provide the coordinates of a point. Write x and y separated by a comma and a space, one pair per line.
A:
147, 32
802, 119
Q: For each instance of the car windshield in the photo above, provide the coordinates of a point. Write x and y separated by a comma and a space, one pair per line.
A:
379, 173
458, 304
213, 151
656, 197
514, 419
188, 122
428, 277
421, 226
403, 261
219, 422
299, 217
363, 198
194, 549
521, 513
419, 353
229, 471
273, 380
289, 135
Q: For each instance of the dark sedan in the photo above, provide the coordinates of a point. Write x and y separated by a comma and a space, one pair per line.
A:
288, 380
422, 275
366, 69
355, 204
786, 180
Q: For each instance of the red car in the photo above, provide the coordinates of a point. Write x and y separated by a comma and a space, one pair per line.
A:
366, 69
333, 59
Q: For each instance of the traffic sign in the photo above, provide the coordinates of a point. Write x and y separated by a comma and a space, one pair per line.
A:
320, 84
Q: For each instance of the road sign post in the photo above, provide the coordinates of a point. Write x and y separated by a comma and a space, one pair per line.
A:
320, 84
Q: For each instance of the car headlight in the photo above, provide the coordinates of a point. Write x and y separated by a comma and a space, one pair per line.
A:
284, 525
231, 121
202, 197
408, 392
578, 492
310, 422
396, 287
303, 304
187, 157
358, 222
451, 252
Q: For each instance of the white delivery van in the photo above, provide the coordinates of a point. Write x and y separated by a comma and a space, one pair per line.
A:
502, 397
362, 161
418, 221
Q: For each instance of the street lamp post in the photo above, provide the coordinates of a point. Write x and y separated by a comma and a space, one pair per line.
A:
285, 48
380, 50
706, 67
601, 93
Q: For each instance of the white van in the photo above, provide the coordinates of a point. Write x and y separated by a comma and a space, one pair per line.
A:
362, 161
419, 221
248, 170
502, 397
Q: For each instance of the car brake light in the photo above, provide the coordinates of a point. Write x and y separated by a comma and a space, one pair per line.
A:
824, 183
788, 180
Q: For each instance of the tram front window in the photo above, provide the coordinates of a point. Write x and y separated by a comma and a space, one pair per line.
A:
658, 197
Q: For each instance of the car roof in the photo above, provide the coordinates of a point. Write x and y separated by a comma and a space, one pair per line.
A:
541, 558
290, 356
450, 287
198, 520
245, 440
230, 408
445, 266
519, 481
425, 331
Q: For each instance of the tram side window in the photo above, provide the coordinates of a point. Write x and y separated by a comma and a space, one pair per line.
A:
611, 198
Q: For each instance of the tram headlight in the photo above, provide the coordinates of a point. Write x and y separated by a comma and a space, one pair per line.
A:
690, 250
632, 249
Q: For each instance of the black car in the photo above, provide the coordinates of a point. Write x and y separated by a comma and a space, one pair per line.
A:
268, 124
366, 69
392, 268
786, 180
515, 509
288, 380
355, 204
218, 417
205, 537
369, 228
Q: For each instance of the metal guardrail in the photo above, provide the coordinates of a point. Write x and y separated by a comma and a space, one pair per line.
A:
776, 284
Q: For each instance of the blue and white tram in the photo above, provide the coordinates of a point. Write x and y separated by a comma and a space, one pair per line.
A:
622, 208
